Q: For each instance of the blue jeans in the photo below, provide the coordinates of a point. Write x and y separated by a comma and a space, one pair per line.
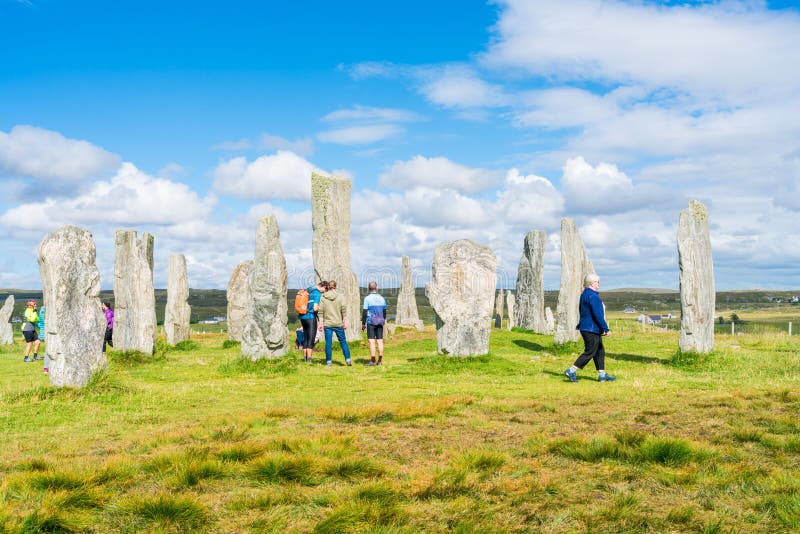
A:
329, 330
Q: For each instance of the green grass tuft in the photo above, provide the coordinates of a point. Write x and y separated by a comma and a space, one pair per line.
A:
163, 512
40, 521
592, 450
131, 358
670, 452
239, 453
278, 469
186, 345
354, 468
191, 473
230, 343
283, 366
55, 481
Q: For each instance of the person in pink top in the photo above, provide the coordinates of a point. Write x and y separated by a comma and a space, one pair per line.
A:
109, 313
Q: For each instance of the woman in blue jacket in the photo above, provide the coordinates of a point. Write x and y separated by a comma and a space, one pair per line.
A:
593, 327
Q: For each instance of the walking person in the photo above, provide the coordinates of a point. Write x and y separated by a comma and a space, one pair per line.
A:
29, 332
40, 324
310, 319
593, 327
108, 338
333, 318
373, 317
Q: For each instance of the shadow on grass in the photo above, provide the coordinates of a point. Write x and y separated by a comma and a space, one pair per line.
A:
562, 375
528, 345
637, 358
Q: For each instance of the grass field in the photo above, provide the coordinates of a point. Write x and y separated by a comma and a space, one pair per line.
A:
199, 440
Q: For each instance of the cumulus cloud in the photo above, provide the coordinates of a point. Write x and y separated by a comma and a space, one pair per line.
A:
284, 175
47, 155
438, 172
529, 202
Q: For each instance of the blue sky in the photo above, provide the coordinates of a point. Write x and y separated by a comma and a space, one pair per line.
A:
454, 120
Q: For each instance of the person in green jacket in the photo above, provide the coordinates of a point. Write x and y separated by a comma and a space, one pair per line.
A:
333, 318
29, 331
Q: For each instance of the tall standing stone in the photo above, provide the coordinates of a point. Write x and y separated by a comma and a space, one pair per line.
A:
6, 330
237, 300
698, 298
511, 304
330, 247
549, 321
265, 334
498, 309
75, 323
178, 312
461, 291
134, 296
575, 265
407, 312
530, 283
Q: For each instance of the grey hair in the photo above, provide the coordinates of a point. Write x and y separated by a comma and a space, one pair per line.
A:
590, 279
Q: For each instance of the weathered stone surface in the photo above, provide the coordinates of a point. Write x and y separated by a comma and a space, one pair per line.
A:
330, 247
499, 301
134, 297
265, 334
75, 324
530, 283
575, 265
698, 298
6, 330
407, 312
237, 300
461, 291
178, 313
511, 304
549, 321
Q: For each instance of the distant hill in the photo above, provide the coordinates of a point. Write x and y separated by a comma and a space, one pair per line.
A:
648, 290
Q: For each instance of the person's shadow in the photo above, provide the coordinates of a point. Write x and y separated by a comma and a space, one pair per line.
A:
562, 375
528, 345
636, 358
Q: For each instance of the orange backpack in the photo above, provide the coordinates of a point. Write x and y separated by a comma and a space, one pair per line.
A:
301, 302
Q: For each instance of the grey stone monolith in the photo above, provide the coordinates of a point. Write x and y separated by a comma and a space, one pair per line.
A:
265, 333
6, 330
499, 301
530, 283
549, 321
461, 291
407, 312
330, 245
698, 298
237, 300
575, 265
178, 313
134, 296
75, 323
511, 304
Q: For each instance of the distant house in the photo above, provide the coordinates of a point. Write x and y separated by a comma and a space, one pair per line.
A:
796, 298
629, 310
210, 320
668, 316
220, 319
649, 319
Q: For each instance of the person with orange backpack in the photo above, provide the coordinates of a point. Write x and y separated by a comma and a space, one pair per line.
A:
306, 304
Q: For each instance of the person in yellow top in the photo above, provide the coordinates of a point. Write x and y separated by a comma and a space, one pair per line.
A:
29, 331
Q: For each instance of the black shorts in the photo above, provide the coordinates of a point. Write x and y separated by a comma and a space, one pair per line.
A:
374, 331
309, 331
30, 335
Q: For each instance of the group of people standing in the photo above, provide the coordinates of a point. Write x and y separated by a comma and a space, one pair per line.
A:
327, 313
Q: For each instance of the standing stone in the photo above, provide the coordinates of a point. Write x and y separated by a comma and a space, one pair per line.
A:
75, 324
530, 283
178, 312
237, 300
498, 309
330, 247
696, 279
265, 334
6, 330
549, 321
134, 296
461, 291
407, 312
575, 265
511, 304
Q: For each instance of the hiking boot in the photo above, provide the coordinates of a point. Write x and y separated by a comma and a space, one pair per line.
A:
380, 361
27, 360
45, 370
348, 362
572, 375
37, 357
605, 377
329, 364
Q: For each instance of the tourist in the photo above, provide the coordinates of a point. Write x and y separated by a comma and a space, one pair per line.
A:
309, 320
593, 327
108, 338
373, 317
333, 318
40, 324
29, 332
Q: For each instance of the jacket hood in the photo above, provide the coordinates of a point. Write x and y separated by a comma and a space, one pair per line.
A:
330, 294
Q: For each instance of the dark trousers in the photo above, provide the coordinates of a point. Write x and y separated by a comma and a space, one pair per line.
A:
108, 338
593, 350
309, 331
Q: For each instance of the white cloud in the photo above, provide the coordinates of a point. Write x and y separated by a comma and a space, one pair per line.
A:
360, 135
302, 147
48, 155
284, 175
438, 172
529, 202
372, 114
458, 86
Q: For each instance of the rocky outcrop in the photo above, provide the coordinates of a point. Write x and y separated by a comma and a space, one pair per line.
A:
461, 291
6, 330
407, 312
499, 302
530, 284
178, 313
265, 333
511, 304
698, 298
330, 246
237, 300
575, 265
134, 297
75, 323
